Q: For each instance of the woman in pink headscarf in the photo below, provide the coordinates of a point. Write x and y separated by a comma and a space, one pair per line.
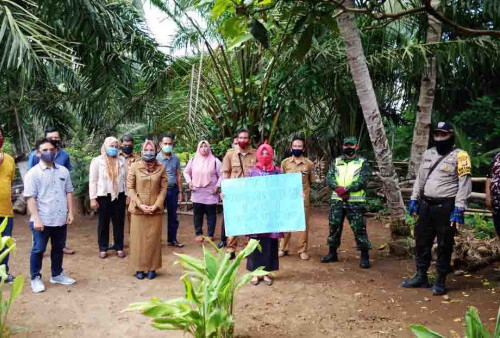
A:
269, 242
203, 174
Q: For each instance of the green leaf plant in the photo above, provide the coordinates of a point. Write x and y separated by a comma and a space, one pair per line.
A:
206, 310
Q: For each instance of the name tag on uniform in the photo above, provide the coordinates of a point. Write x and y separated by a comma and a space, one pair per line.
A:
144, 175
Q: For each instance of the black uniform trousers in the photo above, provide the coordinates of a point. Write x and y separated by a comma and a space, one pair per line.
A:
434, 220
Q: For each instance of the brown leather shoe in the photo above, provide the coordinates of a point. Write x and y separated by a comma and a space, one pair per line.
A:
68, 251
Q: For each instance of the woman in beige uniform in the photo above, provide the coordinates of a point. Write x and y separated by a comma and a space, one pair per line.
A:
147, 187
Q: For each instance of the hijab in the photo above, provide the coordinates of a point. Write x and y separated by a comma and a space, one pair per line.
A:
265, 162
112, 165
150, 166
203, 166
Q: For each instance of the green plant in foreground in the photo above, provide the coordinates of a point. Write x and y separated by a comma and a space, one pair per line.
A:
206, 310
483, 227
474, 328
7, 245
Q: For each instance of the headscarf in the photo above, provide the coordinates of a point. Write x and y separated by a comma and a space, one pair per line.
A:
202, 166
265, 162
150, 166
112, 165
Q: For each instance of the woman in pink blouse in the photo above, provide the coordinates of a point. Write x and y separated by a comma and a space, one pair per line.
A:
203, 174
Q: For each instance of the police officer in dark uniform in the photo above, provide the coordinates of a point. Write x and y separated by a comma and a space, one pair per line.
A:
439, 198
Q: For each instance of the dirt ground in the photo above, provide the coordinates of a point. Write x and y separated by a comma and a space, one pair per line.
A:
307, 299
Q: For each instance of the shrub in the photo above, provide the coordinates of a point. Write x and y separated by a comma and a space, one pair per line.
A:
474, 327
206, 310
8, 245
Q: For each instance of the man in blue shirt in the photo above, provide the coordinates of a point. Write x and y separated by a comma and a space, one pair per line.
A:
62, 158
172, 165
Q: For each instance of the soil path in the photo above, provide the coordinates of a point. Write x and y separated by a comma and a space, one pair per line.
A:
308, 298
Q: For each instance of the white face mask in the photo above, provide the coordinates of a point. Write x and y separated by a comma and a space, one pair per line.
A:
441, 138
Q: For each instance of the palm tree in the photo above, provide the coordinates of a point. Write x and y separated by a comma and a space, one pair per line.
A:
373, 119
426, 98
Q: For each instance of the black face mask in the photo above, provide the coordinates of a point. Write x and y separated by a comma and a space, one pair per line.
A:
127, 150
349, 151
445, 146
297, 152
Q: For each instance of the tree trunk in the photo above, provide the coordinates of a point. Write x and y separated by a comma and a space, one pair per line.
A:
426, 98
374, 124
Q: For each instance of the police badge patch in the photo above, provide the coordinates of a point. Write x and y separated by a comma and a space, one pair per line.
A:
463, 164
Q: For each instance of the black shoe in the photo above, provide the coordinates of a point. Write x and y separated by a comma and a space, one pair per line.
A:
364, 261
331, 257
232, 256
222, 244
439, 289
420, 280
176, 244
151, 274
139, 274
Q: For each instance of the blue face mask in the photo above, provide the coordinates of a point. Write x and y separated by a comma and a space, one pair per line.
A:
47, 156
297, 152
167, 149
111, 151
148, 156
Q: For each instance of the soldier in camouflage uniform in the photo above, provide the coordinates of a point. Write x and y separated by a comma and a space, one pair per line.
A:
347, 177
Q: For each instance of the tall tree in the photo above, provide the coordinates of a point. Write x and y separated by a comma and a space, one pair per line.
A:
426, 98
373, 119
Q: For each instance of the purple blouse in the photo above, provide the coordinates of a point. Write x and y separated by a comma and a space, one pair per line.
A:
252, 172
206, 194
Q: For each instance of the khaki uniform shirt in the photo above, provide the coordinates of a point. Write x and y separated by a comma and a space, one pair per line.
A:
132, 158
236, 165
146, 188
450, 179
304, 166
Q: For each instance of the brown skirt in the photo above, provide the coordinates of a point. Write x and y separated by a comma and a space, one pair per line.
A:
145, 242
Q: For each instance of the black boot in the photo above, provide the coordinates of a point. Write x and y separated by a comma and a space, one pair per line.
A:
331, 257
420, 280
439, 289
222, 244
364, 261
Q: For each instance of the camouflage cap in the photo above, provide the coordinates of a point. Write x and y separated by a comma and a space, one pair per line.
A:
350, 140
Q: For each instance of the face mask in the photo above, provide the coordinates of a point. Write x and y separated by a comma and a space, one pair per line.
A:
127, 150
265, 160
349, 151
1, 142
297, 152
57, 143
111, 151
47, 156
242, 145
167, 149
148, 156
444, 146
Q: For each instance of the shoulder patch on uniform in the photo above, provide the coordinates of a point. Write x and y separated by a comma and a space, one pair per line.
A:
463, 163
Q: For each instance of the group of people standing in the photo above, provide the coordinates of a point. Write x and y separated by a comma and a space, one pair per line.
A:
141, 186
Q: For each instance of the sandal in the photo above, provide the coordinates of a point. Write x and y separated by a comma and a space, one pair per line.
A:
255, 280
268, 280
120, 254
103, 254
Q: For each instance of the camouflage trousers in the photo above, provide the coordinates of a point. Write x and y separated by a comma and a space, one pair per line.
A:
354, 212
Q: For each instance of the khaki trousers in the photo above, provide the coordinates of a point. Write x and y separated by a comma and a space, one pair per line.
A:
301, 237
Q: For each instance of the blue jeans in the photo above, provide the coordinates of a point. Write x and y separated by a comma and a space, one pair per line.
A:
7, 232
171, 202
57, 237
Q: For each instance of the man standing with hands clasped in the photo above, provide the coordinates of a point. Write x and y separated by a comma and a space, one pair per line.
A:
348, 178
439, 198
298, 163
48, 189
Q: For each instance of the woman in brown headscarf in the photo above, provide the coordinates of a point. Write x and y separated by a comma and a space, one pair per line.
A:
107, 192
147, 187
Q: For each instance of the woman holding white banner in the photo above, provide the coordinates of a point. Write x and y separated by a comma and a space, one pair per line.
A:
268, 257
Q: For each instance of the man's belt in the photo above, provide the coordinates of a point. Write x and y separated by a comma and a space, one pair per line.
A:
434, 200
